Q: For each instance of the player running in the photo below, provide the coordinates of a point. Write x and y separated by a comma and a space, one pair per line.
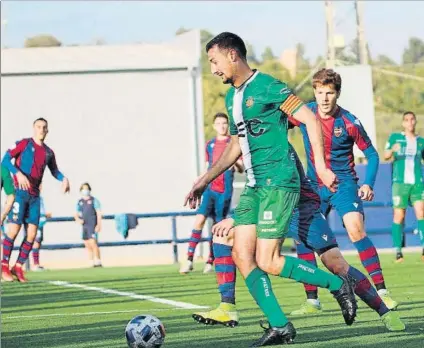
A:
307, 226
89, 215
258, 106
407, 151
31, 156
341, 131
216, 199
9, 190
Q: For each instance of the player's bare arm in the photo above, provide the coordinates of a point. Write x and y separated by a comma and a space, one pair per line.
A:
230, 155
98, 227
239, 166
313, 127
78, 219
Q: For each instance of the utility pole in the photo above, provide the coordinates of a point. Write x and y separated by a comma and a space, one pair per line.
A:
331, 49
362, 43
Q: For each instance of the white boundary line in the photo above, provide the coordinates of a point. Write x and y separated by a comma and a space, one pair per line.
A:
176, 304
86, 313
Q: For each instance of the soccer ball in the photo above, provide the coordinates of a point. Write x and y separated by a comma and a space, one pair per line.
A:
145, 331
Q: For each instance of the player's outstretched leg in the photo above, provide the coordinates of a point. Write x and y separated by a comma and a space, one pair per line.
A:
226, 313
371, 262
312, 304
280, 330
354, 223
335, 262
269, 259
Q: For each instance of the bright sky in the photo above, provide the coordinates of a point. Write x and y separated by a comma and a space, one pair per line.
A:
279, 24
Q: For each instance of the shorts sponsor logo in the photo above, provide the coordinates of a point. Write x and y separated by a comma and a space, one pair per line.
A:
355, 205
269, 222
325, 237
267, 215
15, 217
338, 131
268, 230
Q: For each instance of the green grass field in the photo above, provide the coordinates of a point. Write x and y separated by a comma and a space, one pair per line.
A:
41, 315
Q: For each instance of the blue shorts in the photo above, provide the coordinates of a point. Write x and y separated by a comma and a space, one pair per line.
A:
344, 200
88, 232
26, 209
215, 205
309, 227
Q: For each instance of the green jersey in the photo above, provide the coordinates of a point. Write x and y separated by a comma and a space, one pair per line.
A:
258, 115
6, 181
407, 160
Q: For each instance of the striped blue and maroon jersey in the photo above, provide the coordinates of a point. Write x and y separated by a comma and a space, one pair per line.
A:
31, 159
214, 150
340, 133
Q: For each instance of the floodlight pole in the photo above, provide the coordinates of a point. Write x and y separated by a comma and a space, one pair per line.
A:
362, 43
331, 48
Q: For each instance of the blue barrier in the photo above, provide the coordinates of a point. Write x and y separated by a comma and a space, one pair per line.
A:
174, 241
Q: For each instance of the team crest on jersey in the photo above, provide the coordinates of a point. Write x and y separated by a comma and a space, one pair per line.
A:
338, 131
249, 102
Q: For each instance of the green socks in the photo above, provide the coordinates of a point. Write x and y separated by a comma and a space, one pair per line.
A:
304, 272
397, 235
421, 231
260, 288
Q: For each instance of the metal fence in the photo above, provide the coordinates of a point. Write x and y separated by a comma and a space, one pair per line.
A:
174, 240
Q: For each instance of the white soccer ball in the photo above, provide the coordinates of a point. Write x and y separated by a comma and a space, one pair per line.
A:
145, 331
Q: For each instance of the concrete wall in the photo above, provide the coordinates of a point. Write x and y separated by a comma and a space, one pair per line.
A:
126, 119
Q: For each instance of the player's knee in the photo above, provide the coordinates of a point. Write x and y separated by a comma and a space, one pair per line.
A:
241, 258
355, 228
398, 216
267, 263
338, 268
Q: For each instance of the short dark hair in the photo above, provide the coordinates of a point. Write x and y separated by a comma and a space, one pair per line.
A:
408, 113
85, 184
227, 40
220, 115
40, 119
326, 77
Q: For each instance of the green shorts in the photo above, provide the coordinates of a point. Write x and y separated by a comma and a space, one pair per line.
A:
402, 194
269, 208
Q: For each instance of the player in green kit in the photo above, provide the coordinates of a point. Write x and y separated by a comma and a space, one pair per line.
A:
258, 105
9, 190
407, 151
